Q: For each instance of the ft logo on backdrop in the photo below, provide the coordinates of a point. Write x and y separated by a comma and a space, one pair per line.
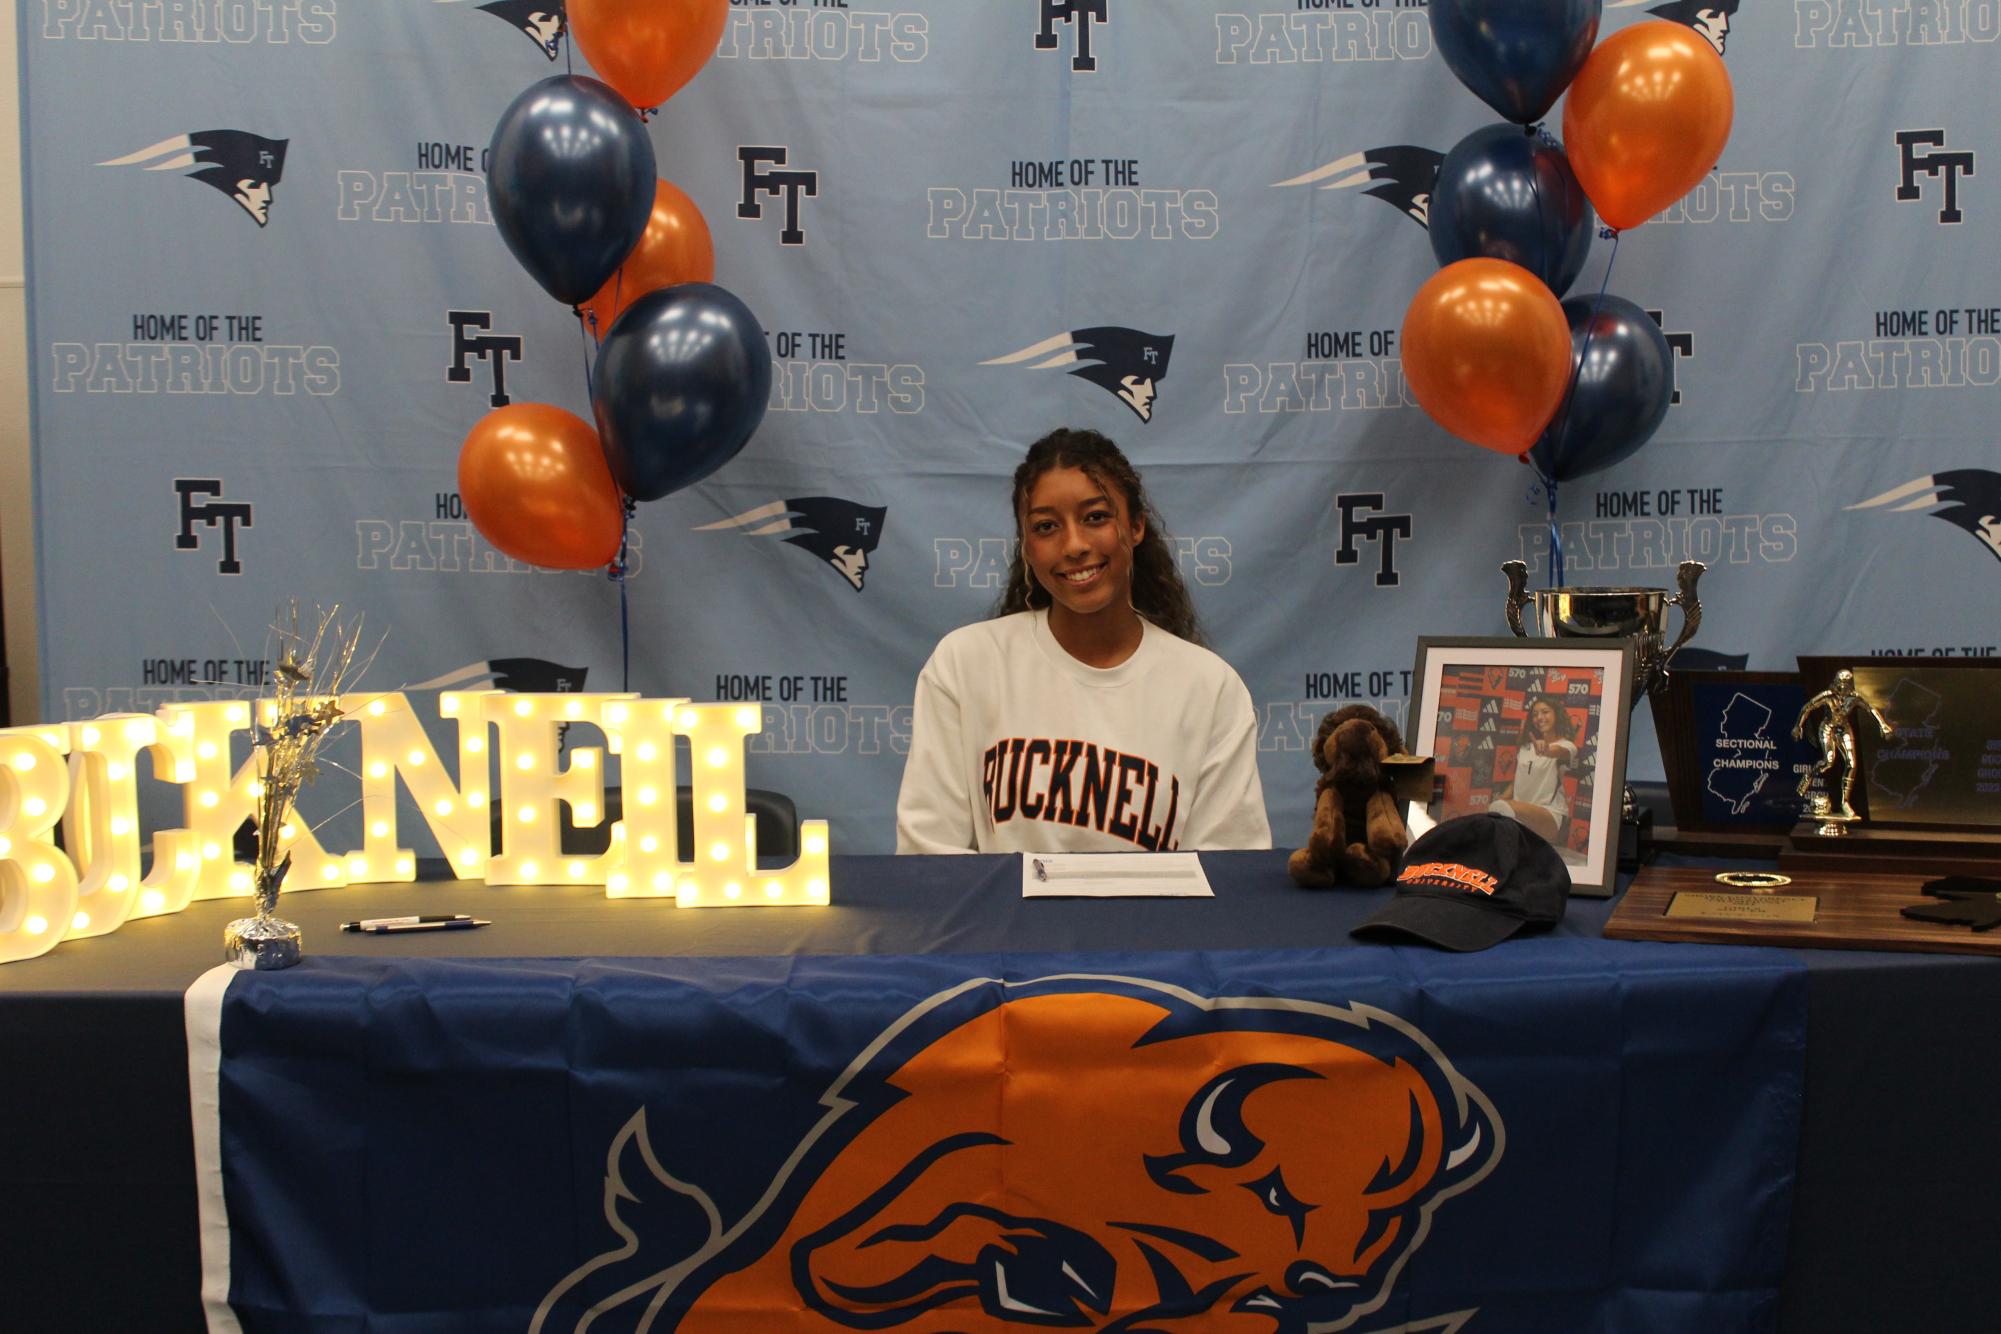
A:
228, 515
1079, 15
1362, 519
1923, 153
471, 341
758, 179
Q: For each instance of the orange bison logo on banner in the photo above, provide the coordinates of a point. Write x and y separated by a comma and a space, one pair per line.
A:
1083, 1152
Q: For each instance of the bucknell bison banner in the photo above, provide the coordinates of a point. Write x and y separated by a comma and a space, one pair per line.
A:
1274, 1143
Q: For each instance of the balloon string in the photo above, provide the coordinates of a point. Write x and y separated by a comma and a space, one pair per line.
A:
1562, 418
1555, 536
568, 68
616, 572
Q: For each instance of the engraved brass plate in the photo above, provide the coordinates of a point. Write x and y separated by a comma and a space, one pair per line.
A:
1744, 907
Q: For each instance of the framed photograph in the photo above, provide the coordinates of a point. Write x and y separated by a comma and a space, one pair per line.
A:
1533, 729
1726, 742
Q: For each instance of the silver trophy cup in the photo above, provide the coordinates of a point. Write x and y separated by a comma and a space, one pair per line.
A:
1638, 614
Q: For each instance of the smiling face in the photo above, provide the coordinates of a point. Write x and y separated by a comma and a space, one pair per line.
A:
1542, 717
1077, 540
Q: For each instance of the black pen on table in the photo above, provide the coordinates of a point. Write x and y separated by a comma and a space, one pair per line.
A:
380, 926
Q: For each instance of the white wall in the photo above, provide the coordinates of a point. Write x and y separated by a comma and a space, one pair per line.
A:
17, 515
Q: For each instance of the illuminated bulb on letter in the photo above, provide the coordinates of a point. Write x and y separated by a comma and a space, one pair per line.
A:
721, 852
378, 769
474, 745
719, 802
523, 707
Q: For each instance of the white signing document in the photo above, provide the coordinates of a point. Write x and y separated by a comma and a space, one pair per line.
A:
1113, 875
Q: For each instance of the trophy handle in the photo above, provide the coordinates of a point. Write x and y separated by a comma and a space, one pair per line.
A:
1518, 594
1691, 609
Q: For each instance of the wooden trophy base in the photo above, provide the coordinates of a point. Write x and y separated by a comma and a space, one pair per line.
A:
1818, 910
1891, 850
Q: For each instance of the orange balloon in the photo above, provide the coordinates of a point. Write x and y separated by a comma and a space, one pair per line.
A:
1646, 118
1486, 352
675, 248
535, 484
647, 49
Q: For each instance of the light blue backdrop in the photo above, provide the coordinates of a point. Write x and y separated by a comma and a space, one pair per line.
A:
1832, 289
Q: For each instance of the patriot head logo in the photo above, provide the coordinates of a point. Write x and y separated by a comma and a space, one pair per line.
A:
1710, 18
1968, 498
542, 22
1401, 175
839, 532
1126, 363
246, 167
1254, 1162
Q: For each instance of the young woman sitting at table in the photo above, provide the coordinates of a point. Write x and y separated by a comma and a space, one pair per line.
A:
1085, 716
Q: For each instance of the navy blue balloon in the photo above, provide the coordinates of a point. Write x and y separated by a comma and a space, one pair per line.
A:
1503, 194
1517, 56
681, 383
1622, 392
570, 180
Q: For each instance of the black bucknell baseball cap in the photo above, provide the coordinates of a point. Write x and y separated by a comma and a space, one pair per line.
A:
1471, 883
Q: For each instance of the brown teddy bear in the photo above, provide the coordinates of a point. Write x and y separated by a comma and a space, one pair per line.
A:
1354, 799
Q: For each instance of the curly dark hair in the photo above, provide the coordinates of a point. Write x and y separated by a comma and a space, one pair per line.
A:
1565, 727
1157, 591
